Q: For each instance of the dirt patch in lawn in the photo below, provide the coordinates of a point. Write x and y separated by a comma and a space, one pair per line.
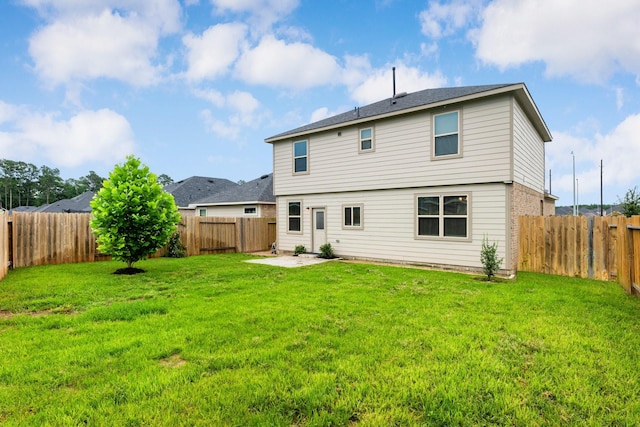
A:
5, 314
173, 361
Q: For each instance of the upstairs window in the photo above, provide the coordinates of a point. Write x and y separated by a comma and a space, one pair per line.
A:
443, 216
366, 139
300, 157
446, 134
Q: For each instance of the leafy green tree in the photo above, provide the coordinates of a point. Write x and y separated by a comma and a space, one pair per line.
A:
49, 185
631, 204
92, 181
73, 187
132, 215
164, 179
19, 180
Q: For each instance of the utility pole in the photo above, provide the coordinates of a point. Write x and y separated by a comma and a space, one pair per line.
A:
575, 212
601, 205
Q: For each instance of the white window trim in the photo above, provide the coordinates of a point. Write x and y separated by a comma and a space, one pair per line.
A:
201, 210
441, 217
433, 137
353, 205
373, 140
293, 151
301, 217
255, 207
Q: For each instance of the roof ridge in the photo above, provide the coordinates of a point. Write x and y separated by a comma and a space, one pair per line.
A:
395, 104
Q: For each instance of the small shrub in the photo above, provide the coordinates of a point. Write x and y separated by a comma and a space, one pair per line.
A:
300, 249
175, 248
489, 258
326, 251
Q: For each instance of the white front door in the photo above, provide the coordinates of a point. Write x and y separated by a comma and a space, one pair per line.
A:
319, 228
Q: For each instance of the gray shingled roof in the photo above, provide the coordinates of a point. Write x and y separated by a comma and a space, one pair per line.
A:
196, 187
258, 190
390, 105
80, 203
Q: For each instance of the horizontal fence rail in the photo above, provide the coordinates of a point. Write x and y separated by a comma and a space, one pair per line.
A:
602, 248
31, 239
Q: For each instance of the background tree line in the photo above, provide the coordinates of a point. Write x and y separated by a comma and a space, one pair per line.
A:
25, 184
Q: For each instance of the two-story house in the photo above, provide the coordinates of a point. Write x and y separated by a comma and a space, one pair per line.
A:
419, 178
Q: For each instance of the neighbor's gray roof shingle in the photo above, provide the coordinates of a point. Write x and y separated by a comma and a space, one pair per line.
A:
196, 187
80, 203
389, 105
258, 190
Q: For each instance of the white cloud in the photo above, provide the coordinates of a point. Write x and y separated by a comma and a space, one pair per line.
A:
444, 19
161, 14
293, 65
217, 125
619, 98
263, 12
319, 114
244, 103
211, 95
89, 136
588, 40
211, 54
85, 40
617, 149
245, 113
378, 83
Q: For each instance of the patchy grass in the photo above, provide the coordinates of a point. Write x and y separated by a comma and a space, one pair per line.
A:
212, 340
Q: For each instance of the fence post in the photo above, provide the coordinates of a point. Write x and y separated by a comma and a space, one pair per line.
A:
634, 254
623, 254
590, 247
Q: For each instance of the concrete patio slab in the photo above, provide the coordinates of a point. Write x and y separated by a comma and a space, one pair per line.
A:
289, 261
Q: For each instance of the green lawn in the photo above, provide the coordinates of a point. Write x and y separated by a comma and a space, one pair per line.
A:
212, 340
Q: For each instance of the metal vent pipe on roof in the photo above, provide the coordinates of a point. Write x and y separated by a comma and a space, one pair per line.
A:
394, 81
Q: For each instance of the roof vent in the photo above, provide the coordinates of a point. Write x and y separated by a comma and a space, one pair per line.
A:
400, 95
211, 181
264, 176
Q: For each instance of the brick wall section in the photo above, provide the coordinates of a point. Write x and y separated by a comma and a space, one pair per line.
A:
268, 211
525, 201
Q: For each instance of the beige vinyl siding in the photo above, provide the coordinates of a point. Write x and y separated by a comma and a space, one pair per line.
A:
528, 152
228, 211
389, 218
402, 156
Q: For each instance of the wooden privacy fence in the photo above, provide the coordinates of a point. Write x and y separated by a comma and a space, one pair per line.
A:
602, 248
203, 234
4, 244
58, 238
51, 238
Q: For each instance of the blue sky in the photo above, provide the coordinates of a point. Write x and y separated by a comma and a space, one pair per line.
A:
193, 87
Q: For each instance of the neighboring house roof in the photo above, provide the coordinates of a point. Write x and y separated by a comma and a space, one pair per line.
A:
194, 188
260, 190
77, 204
405, 103
24, 209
